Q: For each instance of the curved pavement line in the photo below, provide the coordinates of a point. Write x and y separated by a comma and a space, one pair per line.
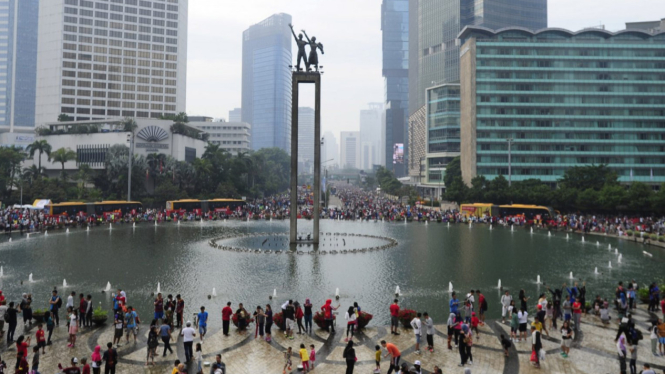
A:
511, 363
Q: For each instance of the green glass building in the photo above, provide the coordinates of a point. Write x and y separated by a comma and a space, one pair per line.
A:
563, 99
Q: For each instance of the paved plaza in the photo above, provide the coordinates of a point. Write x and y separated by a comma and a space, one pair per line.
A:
593, 352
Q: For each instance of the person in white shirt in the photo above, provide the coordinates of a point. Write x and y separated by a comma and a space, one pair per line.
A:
523, 317
351, 322
505, 305
188, 334
416, 324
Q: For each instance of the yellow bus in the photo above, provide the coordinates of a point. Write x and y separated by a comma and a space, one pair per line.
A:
203, 206
100, 208
479, 210
529, 212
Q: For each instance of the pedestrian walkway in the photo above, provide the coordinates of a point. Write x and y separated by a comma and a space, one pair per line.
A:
593, 352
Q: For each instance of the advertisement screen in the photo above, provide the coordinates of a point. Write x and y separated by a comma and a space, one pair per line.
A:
398, 153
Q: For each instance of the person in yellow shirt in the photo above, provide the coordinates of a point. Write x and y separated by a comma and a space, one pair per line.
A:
377, 359
175, 367
304, 358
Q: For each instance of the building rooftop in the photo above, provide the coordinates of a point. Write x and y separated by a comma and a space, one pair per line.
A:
476, 31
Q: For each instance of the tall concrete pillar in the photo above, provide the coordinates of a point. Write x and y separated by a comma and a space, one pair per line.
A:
315, 78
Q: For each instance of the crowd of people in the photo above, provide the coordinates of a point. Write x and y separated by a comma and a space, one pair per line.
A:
356, 204
528, 321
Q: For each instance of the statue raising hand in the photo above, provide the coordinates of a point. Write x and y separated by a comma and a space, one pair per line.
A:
302, 55
313, 55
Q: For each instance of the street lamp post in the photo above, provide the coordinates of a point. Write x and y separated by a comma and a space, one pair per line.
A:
510, 172
130, 139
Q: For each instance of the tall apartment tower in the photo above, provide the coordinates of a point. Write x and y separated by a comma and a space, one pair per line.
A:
99, 59
266, 82
371, 136
18, 60
350, 149
395, 45
434, 54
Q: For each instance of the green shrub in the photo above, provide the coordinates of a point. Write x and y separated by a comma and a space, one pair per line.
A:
629, 232
652, 237
661, 239
99, 313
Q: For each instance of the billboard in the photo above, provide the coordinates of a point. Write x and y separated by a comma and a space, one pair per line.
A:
398, 153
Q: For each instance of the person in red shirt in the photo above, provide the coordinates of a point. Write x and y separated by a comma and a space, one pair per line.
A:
22, 366
394, 353
482, 305
474, 324
2, 297
394, 317
227, 312
41, 340
577, 315
21, 350
83, 307
662, 306
74, 369
86, 367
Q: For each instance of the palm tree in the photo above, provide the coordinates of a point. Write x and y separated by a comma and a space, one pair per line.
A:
32, 173
40, 146
62, 156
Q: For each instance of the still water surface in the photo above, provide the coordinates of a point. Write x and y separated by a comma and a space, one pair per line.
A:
426, 259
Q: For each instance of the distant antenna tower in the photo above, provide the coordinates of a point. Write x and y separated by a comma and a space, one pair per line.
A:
599, 26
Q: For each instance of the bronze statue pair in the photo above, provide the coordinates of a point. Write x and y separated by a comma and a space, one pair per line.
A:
313, 59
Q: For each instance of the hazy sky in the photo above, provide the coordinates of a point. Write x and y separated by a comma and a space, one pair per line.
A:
350, 30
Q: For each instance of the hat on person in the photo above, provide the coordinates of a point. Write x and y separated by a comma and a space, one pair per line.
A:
189, 323
539, 307
473, 313
417, 363
75, 360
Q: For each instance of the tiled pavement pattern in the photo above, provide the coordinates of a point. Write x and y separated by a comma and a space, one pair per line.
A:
593, 352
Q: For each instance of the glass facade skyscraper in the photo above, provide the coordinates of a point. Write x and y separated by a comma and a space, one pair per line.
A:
266, 82
434, 60
395, 30
18, 62
565, 99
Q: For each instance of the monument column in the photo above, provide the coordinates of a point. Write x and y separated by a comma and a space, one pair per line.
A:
294, 161
317, 156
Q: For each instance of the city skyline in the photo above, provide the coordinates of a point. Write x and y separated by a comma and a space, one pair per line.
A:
353, 58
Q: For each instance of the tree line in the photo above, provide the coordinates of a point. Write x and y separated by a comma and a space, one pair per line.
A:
156, 178
584, 189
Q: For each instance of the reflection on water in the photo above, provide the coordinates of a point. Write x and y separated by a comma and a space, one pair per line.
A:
426, 259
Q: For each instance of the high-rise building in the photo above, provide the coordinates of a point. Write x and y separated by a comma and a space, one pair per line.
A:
395, 45
350, 149
235, 115
371, 135
536, 103
266, 82
18, 63
99, 59
305, 140
329, 150
434, 60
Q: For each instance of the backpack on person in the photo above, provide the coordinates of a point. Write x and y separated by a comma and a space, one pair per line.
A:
58, 303
6, 318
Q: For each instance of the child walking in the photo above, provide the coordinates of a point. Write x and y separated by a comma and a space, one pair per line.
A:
287, 360
199, 358
377, 359
304, 358
73, 327
312, 356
